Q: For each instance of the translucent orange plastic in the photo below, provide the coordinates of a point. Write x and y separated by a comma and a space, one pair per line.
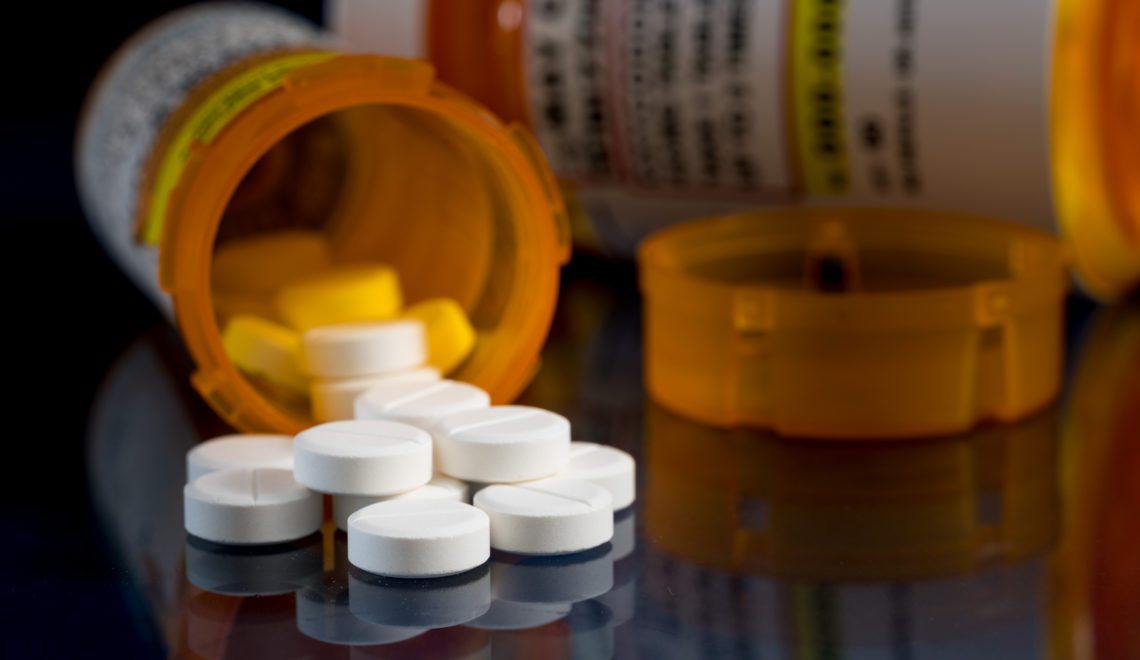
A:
749, 501
391, 167
853, 323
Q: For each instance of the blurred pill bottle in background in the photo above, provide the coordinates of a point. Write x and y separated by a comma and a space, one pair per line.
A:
658, 111
229, 121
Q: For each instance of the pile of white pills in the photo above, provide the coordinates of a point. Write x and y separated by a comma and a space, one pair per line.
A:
401, 474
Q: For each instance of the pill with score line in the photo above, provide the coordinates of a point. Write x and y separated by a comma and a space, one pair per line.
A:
501, 444
362, 457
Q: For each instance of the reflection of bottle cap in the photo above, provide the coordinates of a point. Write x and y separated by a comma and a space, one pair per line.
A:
252, 570
749, 501
853, 323
421, 603
323, 614
553, 579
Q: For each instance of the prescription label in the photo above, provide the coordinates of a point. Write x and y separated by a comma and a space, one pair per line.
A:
662, 110
148, 79
204, 125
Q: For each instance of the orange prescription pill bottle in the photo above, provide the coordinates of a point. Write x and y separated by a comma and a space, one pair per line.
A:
222, 122
654, 112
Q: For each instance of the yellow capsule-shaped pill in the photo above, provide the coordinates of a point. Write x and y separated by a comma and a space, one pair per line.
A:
263, 263
450, 336
266, 350
344, 295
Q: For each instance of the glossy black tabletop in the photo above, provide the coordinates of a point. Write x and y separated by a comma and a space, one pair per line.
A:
1015, 541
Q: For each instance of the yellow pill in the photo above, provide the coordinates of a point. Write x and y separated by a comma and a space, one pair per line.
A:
266, 350
344, 295
450, 337
263, 263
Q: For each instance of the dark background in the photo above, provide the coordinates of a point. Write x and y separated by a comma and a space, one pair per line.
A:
68, 312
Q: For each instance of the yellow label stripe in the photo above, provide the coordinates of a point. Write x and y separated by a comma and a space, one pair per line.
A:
817, 95
204, 125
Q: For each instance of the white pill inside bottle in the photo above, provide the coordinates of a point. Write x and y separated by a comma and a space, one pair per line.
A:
418, 538
258, 506
362, 457
547, 517
419, 403
351, 350
249, 451
502, 444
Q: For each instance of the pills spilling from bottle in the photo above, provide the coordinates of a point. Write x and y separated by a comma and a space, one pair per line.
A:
401, 455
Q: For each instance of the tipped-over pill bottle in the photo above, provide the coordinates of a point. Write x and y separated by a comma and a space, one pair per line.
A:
227, 122
671, 109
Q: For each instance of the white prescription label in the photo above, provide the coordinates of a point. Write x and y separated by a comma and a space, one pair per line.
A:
148, 79
661, 110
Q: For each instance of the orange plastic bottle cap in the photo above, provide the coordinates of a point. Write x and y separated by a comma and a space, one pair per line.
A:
853, 323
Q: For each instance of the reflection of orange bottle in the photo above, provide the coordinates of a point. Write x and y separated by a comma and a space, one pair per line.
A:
1097, 568
750, 501
659, 111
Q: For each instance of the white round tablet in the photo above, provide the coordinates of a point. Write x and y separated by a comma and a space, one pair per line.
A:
332, 399
502, 444
439, 488
362, 457
605, 466
548, 517
418, 538
419, 404
350, 350
240, 506
239, 451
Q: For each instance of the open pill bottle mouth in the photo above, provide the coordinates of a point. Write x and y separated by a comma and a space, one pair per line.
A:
229, 125
388, 166
853, 323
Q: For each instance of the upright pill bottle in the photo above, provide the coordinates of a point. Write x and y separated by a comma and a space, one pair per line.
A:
222, 121
661, 110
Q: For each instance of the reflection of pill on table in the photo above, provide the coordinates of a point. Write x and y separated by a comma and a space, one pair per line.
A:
418, 538
450, 336
362, 457
605, 466
266, 349
419, 403
502, 444
439, 488
344, 295
551, 516
249, 450
433, 603
333, 399
241, 506
351, 350
509, 615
